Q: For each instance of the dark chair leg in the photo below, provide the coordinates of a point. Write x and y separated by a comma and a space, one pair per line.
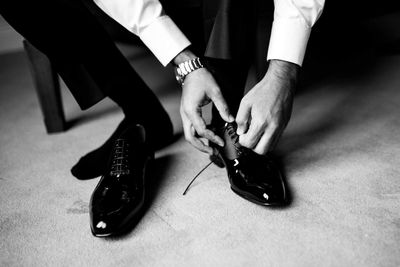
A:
47, 88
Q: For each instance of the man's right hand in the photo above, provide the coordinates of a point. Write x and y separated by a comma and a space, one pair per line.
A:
199, 89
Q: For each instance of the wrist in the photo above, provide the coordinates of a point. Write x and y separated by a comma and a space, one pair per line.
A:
283, 69
186, 62
183, 56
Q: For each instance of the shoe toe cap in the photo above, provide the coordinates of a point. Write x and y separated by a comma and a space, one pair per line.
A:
101, 228
260, 189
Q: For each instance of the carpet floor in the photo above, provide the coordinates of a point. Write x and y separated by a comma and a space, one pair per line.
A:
340, 153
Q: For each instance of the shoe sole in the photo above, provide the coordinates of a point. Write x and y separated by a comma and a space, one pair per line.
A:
255, 201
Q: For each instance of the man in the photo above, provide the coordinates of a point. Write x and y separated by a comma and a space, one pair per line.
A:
212, 69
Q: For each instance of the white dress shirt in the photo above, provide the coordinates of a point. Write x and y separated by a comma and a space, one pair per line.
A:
290, 32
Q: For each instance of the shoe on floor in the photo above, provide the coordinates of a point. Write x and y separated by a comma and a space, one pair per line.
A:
254, 177
120, 194
94, 163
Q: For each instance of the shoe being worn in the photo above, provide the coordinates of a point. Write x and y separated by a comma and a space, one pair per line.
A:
94, 163
254, 177
120, 194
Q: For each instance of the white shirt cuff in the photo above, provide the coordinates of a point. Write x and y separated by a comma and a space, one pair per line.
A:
288, 42
164, 39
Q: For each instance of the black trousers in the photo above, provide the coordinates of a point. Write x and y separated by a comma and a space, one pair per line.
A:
72, 33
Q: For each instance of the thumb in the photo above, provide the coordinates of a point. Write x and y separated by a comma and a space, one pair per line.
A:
242, 118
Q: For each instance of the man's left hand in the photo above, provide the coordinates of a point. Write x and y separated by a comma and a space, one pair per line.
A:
265, 110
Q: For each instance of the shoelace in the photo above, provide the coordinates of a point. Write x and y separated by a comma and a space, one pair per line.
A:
119, 164
231, 130
197, 175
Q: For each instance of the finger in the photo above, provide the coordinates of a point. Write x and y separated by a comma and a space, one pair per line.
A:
200, 126
190, 137
189, 133
269, 140
200, 144
221, 106
253, 135
242, 117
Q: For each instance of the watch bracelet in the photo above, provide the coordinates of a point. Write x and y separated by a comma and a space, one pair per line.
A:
188, 66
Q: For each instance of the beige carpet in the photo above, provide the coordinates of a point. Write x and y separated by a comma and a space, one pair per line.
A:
341, 156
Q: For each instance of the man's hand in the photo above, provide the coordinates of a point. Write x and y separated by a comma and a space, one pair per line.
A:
200, 88
265, 110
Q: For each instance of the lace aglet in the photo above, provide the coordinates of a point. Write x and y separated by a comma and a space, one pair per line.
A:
184, 193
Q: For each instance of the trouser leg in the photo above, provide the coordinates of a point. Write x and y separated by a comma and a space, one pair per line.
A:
72, 38
231, 77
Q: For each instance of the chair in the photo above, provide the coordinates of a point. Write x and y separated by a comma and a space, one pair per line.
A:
47, 88
46, 79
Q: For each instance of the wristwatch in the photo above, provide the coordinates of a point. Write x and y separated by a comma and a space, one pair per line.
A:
183, 69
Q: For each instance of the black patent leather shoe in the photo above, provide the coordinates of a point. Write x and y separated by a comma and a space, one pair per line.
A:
120, 194
254, 177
